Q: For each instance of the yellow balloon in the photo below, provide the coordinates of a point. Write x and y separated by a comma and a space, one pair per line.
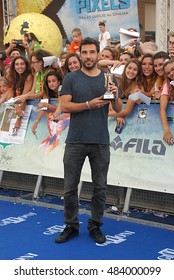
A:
37, 6
42, 26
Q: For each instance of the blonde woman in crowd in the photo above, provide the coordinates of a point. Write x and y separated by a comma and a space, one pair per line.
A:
129, 84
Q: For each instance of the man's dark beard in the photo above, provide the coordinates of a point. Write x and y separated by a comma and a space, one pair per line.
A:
89, 67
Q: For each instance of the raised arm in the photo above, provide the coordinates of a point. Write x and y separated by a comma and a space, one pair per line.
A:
35, 124
167, 136
126, 111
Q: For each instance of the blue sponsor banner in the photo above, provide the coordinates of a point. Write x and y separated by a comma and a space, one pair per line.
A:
86, 15
139, 156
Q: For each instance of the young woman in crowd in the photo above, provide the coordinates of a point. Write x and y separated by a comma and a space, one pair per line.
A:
167, 96
63, 57
6, 72
5, 90
129, 84
51, 88
148, 75
72, 63
39, 72
159, 59
4, 86
34, 42
21, 82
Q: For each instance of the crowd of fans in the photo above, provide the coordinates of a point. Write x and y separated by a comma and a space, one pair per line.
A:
137, 67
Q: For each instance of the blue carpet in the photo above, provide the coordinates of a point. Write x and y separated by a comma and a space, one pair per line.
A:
142, 214
28, 232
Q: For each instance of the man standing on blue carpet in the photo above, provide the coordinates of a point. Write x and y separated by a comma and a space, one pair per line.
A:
82, 96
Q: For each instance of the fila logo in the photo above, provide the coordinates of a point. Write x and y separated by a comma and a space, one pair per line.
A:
145, 146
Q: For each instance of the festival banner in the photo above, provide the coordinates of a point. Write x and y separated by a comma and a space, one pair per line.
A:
85, 14
139, 156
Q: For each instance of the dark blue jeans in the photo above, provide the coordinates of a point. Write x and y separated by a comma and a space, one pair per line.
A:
74, 157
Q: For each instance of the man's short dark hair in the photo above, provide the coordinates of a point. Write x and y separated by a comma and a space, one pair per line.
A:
161, 54
89, 41
101, 23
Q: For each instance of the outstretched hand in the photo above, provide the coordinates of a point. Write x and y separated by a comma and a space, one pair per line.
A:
168, 138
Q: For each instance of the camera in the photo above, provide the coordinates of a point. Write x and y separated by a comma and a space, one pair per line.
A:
18, 42
3, 55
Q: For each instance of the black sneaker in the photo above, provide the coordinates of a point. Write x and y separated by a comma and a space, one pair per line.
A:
68, 233
97, 235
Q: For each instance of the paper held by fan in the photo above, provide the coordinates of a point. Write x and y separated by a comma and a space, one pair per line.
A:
126, 37
138, 95
11, 101
45, 100
49, 60
117, 71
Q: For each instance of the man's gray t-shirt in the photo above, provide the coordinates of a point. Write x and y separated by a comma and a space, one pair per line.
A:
88, 126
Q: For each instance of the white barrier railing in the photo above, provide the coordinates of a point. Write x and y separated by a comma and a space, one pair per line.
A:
139, 157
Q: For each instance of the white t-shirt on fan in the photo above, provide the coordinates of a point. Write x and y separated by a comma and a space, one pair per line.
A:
103, 37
